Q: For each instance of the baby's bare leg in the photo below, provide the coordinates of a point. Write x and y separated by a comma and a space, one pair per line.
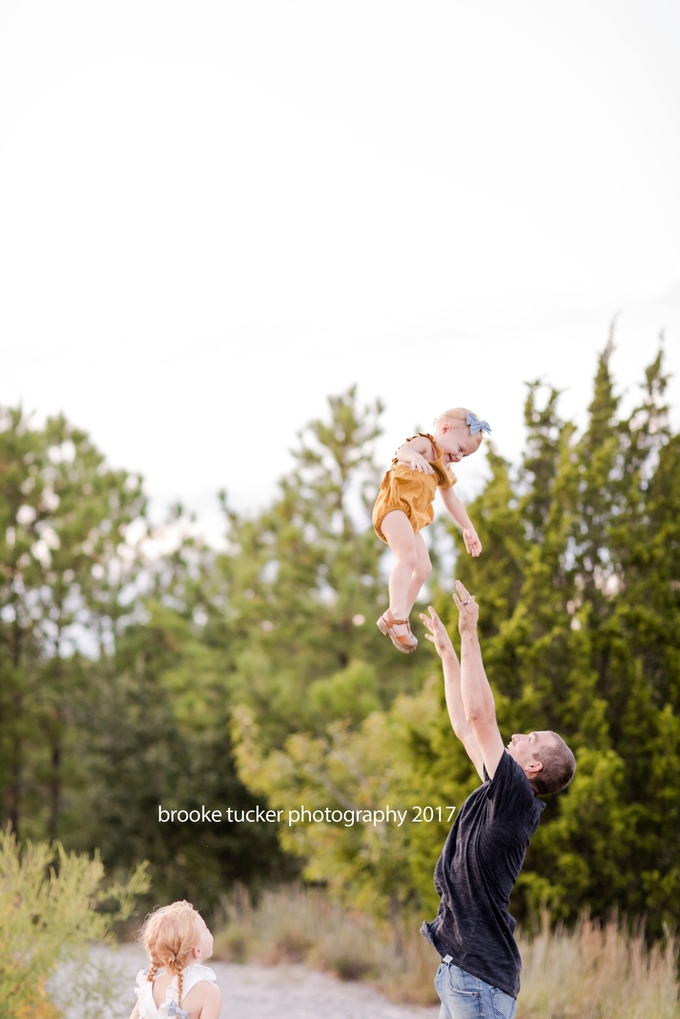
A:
421, 572
396, 527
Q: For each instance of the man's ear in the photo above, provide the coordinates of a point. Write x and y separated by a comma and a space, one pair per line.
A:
533, 768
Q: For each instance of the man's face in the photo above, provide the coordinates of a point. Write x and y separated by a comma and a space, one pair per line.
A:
524, 747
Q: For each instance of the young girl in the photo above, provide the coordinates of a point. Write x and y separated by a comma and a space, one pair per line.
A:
177, 984
404, 507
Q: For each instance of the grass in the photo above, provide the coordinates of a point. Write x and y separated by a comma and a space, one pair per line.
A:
597, 971
302, 925
591, 972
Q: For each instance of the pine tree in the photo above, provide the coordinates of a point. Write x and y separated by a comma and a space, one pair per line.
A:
579, 587
66, 560
302, 586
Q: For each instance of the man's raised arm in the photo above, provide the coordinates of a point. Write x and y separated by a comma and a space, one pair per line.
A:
478, 703
454, 700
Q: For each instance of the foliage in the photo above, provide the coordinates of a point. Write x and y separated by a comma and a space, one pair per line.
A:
52, 904
302, 586
293, 924
586, 646
391, 761
111, 700
592, 971
580, 600
122, 659
136, 663
67, 561
158, 735
597, 970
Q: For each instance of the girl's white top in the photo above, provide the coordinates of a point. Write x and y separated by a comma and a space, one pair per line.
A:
169, 1009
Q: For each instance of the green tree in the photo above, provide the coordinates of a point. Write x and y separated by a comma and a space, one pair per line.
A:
302, 586
583, 649
158, 736
580, 601
112, 699
67, 561
393, 760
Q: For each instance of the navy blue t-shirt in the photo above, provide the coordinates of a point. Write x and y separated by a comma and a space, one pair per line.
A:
476, 872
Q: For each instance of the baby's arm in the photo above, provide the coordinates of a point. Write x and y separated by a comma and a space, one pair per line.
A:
415, 453
457, 511
135, 1012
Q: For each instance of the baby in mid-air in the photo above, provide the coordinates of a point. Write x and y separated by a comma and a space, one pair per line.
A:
177, 984
404, 507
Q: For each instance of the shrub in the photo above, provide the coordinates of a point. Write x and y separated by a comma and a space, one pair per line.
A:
52, 905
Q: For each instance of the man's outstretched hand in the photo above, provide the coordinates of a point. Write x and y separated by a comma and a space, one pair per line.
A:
468, 609
437, 635
468, 614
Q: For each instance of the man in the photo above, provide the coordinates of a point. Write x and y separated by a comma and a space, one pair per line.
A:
485, 849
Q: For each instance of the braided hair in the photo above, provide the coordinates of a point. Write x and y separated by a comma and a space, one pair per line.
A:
169, 935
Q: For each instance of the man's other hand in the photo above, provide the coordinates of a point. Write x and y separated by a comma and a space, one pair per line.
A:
437, 635
468, 609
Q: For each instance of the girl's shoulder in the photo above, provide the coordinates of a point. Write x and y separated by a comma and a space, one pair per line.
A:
431, 450
202, 981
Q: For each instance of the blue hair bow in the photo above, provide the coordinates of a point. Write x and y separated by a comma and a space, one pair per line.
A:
476, 425
174, 1009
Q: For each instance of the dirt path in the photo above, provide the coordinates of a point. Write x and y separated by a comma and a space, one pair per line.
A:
285, 992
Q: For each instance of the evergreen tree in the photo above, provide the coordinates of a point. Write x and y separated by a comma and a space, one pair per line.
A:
122, 669
302, 587
579, 591
112, 701
66, 563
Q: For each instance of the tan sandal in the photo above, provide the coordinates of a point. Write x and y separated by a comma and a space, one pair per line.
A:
405, 642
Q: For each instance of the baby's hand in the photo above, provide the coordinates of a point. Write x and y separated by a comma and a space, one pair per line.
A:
472, 542
419, 463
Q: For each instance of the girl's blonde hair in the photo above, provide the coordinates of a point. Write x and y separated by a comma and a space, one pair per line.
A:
457, 414
169, 935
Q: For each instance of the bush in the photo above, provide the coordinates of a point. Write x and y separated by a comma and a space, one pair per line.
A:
52, 905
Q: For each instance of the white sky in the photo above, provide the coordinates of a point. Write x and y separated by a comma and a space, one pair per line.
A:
213, 215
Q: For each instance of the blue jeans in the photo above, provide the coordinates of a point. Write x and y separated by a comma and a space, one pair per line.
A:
466, 997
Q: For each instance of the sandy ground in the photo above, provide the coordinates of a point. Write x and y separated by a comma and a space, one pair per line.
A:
283, 992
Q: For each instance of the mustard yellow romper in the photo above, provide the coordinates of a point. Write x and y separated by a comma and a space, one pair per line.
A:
411, 491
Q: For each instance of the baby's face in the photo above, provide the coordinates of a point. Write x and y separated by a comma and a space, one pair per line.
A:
205, 945
455, 439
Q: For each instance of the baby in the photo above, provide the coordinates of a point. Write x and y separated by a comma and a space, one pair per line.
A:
404, 507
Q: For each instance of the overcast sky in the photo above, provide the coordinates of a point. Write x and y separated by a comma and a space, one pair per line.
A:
215, 214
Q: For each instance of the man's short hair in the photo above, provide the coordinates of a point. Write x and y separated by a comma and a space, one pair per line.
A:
558, 768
